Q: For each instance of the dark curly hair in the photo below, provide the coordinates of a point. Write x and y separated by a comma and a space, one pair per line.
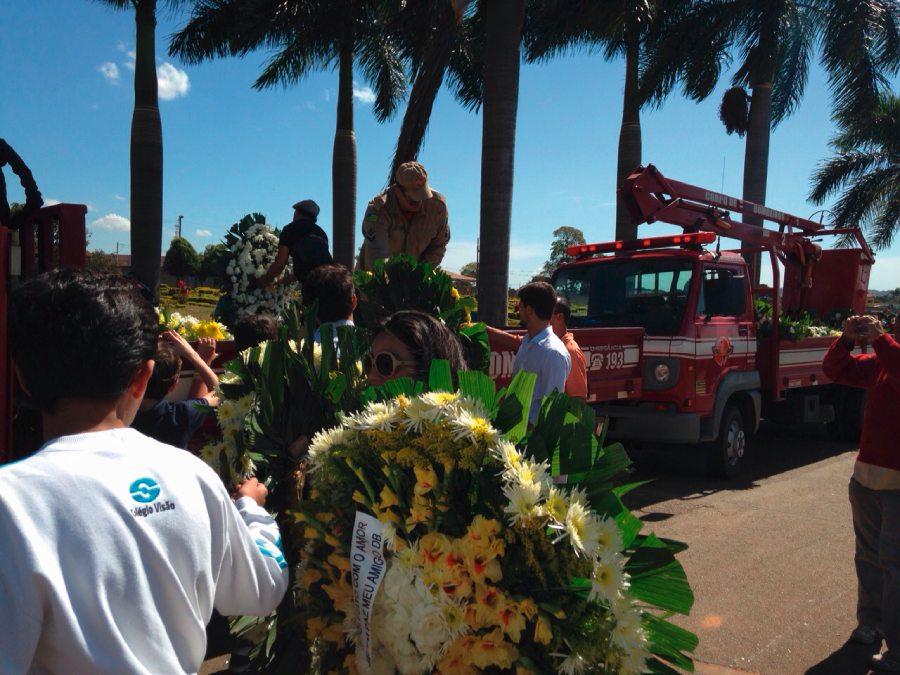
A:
78, 334
426, 338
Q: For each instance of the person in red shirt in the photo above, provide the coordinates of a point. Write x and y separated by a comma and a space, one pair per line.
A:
576, 383
875, 485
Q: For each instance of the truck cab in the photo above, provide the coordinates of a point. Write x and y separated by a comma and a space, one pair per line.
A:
698, 348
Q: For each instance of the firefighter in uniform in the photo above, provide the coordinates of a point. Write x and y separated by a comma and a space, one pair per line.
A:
409, 217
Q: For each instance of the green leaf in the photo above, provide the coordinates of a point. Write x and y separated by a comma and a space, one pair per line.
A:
623, 490
512, 415
670, 642
439, 376
479, 386
658, 578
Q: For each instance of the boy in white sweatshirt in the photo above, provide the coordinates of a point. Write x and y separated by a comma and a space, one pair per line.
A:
114, 548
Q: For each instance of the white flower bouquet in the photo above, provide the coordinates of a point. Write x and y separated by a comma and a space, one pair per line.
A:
252, 246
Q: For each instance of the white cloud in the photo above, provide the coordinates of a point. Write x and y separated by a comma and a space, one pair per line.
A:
120, 46
528, 251
363, 94
110, 72
173, 82
328, 94
51, 202
112, 221
130, 62
119, 197
202, 233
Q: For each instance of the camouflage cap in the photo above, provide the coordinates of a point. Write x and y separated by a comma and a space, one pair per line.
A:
308, 208
413, 178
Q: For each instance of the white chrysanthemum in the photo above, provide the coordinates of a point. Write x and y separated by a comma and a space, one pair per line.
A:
468, 427
578, 496
417, 413
429, 629
377, 416
582, 527
523, 501
244, 405
225, 411
473, 407
210, 454
508, 455
556, 505
608, 579
528, 471
443, 402
628, 634
325, 440
609, 536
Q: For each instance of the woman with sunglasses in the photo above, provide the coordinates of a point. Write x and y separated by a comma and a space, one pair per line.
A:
407, 343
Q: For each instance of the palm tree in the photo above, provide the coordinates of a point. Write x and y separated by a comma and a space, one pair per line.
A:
434, 35
503, 42
859, 41
866, 165
146, 149
617, 28
308, 36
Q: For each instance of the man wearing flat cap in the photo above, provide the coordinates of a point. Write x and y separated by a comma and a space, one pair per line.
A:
305, 242
409, 217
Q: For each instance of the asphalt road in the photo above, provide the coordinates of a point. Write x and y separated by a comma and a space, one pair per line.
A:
770, 557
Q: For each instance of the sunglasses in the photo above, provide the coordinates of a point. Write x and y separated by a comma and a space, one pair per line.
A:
385, 363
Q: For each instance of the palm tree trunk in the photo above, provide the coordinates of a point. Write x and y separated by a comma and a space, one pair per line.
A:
425, 88
503, 21
146, 154
629, 136
756, 160
343, 171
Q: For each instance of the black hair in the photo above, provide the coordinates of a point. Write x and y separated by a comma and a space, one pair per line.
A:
254, 329
332, 286
79, 335
165, 373
540, 296
563, 307
426, 338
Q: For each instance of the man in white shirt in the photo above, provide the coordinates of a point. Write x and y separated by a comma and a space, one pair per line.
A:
541, 351
115, 548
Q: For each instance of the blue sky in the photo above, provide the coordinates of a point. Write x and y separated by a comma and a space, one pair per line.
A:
230, 150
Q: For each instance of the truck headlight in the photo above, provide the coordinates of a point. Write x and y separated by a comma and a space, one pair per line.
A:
661, 372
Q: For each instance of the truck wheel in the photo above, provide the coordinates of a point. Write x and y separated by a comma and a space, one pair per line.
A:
725, 455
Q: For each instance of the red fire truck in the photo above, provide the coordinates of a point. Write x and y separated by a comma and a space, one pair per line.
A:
668, 329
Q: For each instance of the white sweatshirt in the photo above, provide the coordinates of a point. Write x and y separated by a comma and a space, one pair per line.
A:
115, 548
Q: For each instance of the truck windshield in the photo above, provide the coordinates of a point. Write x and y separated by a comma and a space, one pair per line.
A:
648, 293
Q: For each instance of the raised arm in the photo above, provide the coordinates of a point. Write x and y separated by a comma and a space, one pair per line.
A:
205, 380
253, 575
841, 366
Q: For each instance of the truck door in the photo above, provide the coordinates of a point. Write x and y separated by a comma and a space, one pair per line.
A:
723, 330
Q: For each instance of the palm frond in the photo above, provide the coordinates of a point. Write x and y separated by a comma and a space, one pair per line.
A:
860, 48
557, 27
844, 168
384, 70
465, 72
690, 44
859, 204
887, 221
792, 62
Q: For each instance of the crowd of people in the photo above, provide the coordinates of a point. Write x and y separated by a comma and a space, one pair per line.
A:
121, 545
